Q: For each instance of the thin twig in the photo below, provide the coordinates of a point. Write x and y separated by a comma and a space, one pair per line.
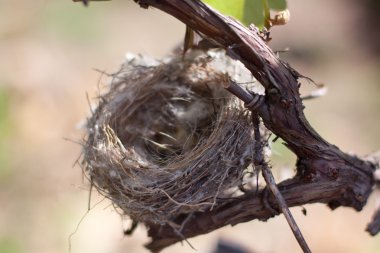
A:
282, 113
269, 179
271, 183
373, 228
132, 228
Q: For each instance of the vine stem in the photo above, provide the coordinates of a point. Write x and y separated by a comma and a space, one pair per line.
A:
259, 160
325, 174
269, 179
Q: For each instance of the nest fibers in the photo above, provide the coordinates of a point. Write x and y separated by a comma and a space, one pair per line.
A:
167, 139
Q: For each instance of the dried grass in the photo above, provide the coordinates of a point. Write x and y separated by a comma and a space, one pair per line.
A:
167, 139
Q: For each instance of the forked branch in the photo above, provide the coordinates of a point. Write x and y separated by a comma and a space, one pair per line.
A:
324, 173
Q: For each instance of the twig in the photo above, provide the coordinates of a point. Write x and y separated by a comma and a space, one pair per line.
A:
259, 160
319, 92
132, 228
373, 228
324, 173
270, 181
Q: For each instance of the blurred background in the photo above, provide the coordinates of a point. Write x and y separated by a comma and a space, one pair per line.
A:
48, 53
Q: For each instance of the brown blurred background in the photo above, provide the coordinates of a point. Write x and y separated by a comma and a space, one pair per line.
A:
48, 53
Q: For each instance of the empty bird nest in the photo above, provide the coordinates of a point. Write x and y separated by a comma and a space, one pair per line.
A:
167, 139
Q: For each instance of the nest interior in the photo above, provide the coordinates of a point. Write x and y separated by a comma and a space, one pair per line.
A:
167, 139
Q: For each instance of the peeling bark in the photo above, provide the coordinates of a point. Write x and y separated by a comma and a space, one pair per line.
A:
324, 173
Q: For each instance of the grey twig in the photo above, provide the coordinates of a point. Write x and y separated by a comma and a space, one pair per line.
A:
271, 183
324, 173
374, 226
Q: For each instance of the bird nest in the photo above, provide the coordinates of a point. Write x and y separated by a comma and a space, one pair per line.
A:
167, 139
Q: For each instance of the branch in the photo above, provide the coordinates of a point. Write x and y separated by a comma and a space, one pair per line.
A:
247, 208
324, 173
259, 160
373, 228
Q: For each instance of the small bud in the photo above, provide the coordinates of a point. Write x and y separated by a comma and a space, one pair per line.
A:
281, 18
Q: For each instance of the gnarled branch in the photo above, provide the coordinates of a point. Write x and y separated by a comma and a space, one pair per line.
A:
324, 173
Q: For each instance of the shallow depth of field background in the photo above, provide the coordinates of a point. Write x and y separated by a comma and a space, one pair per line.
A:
48, 53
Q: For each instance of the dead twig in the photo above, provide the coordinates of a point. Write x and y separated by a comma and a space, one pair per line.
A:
325, 174
260, 162
374, 226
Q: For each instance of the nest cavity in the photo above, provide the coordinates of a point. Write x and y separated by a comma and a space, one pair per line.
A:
167, 139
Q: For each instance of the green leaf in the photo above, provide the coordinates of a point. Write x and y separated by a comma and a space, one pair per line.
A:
234, 8
254, 12
247, 11
277, 5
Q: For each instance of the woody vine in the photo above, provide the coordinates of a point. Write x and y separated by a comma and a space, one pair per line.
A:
324, 174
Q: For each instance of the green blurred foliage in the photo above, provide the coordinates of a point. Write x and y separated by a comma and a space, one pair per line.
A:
277, 5
281, 155
72, 22
10, 245
5, 130
234, 8
248, 11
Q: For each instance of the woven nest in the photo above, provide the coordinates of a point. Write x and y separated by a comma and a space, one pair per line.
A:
167, 139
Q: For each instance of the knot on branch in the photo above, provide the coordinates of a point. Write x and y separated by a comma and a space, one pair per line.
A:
350, 182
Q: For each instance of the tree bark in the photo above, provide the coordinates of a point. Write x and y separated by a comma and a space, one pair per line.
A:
324, 173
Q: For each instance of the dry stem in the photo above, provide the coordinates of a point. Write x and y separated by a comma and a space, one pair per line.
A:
324, 173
